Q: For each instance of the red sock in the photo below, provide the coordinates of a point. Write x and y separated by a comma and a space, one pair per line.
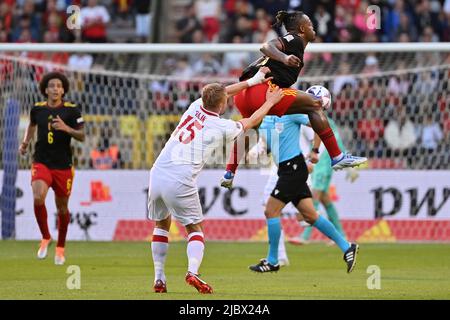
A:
232, 163
63, 223
40, 211
329, 140
236, 155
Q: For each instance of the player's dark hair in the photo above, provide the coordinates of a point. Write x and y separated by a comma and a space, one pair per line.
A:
50, 76
291, 20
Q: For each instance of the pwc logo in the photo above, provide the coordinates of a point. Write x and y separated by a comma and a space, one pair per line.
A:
100, 192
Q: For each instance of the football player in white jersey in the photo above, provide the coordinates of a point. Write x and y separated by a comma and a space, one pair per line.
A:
172, 187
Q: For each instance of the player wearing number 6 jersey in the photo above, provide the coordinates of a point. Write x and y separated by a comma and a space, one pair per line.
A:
56, 121
172, 187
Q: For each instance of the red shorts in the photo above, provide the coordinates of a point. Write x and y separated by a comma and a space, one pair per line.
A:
60, 180
251, 99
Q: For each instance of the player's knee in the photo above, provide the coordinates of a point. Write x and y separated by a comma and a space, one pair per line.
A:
325, 200
312, 105
62, 209
165, 224
271, 213
317, 111
194, 228
39, 198
39, 201
309, 220
317, 106
318, 116
310, 217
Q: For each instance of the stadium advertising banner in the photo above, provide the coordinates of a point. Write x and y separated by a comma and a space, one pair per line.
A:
382, 205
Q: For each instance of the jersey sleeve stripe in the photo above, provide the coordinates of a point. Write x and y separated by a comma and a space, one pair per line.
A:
290, 92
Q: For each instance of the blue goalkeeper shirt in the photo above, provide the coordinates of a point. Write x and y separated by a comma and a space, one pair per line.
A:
282, 135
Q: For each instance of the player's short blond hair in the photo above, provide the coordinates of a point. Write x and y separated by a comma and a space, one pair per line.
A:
212, 95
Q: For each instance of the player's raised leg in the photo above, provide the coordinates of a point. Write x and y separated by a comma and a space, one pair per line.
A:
195, 250
160, 247
293, 102
239, 148
306, 104
350, 250
40, 190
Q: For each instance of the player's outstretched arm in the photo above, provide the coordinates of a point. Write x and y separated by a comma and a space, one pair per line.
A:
58, 124
29, 134
273, 49
273, 96
258, 78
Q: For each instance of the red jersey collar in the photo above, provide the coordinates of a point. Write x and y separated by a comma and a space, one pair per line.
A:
210, 113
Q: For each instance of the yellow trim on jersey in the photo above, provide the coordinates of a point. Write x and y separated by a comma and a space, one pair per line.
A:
271, 85
289, 92
41, 104
69, 104
286, 91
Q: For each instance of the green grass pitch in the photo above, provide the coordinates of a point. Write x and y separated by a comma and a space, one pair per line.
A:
123, 270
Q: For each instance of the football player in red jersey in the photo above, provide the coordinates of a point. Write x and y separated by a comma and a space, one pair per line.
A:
284, 57
57, 121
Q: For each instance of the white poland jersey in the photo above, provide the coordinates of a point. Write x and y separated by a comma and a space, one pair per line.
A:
197, 137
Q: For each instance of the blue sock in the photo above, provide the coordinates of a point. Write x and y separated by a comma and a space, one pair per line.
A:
274, 231
327, 228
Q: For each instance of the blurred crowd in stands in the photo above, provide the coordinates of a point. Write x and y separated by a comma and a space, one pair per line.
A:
46, 20
226, 20
334, 21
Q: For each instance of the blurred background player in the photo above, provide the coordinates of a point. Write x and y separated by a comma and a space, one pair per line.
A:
321, 180
284, 57
282, 136
57, 121
173, 188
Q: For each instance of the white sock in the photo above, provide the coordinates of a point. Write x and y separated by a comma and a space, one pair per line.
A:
160, 245
195, 248
338, 157
282, 255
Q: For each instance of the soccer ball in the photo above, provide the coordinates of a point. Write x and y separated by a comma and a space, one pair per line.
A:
321, 92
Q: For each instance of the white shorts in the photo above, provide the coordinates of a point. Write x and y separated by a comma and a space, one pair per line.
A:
166, 196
